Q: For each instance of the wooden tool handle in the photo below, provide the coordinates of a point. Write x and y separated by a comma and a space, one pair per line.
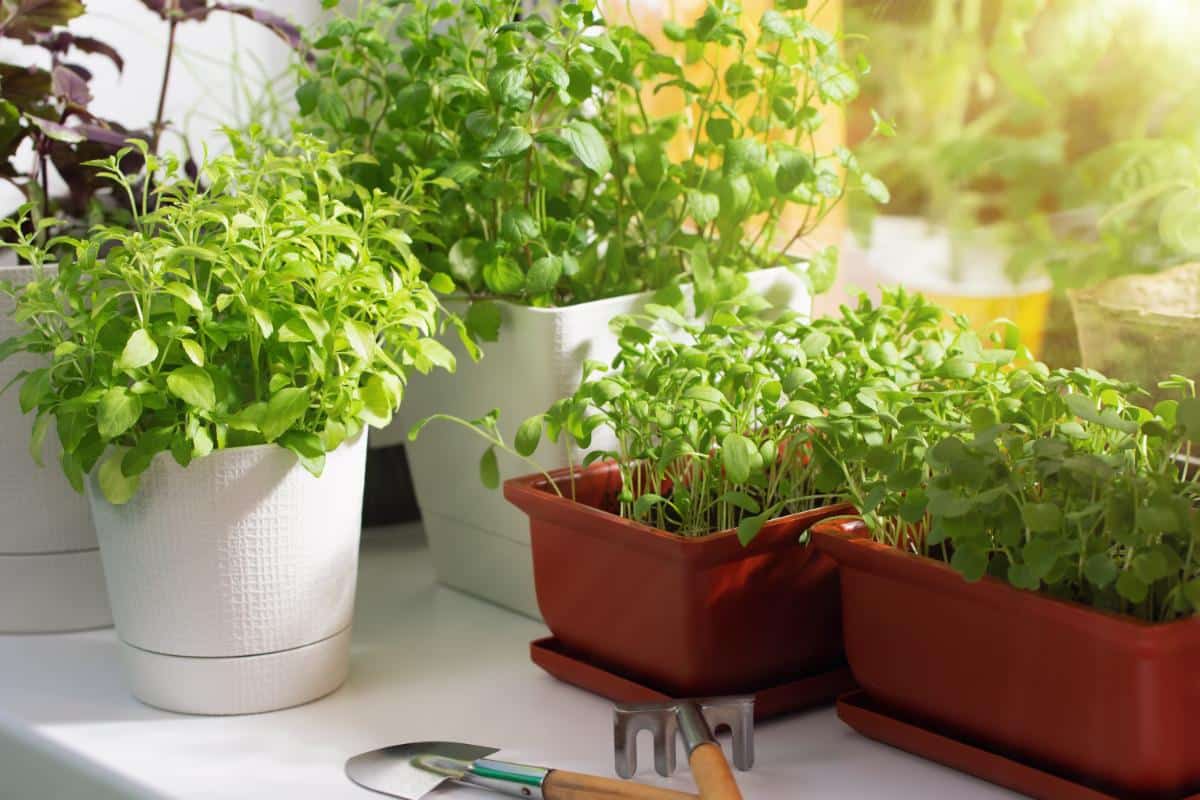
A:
562, 785
712, 774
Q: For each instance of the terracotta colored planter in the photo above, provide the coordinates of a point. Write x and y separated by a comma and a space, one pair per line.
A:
1097, 698
688, 616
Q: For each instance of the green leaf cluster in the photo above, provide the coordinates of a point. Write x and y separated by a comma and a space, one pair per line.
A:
553, 184
270, 299
750, 415
1073, 489
1046, 120
951, 445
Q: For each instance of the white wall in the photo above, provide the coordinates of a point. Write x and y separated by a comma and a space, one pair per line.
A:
226, 70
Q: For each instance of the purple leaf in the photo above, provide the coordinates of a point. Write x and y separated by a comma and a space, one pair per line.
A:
103, 134
63, 41
57, 131
68, 85
198, 10
281, 27
33, 17
185, 8
80, 70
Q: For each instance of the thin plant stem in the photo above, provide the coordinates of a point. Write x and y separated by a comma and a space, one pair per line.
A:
156, 131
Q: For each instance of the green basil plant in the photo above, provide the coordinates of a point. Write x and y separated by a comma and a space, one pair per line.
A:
269, 300
556, 183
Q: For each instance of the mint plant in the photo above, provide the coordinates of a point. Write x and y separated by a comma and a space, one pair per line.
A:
269, 300
1044, 120
1145, 195
557, 185
976, 140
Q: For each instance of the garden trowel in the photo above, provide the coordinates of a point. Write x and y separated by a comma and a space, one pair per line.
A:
410, 771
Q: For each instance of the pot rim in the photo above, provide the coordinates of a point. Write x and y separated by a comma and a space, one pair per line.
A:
550, 311
532, 490
8, 269
246, 448
846, 541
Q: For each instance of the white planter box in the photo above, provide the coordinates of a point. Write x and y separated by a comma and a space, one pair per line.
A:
480, 544
50, 575
232, 581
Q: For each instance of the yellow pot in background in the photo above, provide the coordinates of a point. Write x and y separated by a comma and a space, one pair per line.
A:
910, 252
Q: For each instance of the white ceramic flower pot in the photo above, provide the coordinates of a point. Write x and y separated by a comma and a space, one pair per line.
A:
920, 256
479, 543
50, 574
232, 581
910, 252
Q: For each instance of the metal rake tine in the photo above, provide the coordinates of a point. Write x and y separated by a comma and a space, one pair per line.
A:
737, 714
628, 722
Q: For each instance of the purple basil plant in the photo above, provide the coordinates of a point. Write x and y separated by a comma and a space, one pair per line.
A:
48, 108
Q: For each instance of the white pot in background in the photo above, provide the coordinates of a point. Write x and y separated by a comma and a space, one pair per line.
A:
232, 581
479, 543
966, 272
919, 255
50, 574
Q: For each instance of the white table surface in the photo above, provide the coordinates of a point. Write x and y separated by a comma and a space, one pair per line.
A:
429, 663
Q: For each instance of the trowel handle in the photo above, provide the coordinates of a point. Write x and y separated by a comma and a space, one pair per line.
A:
711, 772
522, 780
562, 785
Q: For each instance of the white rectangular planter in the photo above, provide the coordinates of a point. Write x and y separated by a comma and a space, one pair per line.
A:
480, 544
232, 581
50, 574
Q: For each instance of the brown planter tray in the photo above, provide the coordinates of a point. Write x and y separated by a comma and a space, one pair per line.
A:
773, 701
691, 616
1107, 699
872, 720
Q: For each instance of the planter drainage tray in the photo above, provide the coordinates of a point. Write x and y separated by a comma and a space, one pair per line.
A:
772, 701
874, 721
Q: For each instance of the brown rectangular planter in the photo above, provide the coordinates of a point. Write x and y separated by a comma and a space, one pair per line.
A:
687, 616
1100, 699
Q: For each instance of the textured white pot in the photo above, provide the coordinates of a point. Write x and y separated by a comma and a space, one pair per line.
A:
479, 543
232, 581
50, 574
